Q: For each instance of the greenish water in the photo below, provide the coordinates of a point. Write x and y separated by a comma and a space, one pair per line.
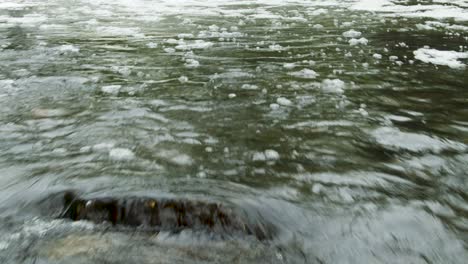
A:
355, 156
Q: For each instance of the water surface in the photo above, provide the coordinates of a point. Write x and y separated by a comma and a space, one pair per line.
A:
316, 115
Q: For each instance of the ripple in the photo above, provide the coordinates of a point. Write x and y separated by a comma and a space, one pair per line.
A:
308, 124
356, 153
175, 157
354, 178
393, 138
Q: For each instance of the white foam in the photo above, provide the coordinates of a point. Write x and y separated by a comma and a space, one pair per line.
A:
363, 112
425, 27
317, 12
53, 27
68, 48
85, 149
28, 20
6, 83
370, 5
231, 74
183, 79
394, 138
398, 118
121, 154
158, 102
274, 106
289, 65
317, 188
152, 45
175, 157
249, 87
174, 41
283, 101
185, 35
433, 162
347, 24
439, 57
435, 25
267, 155
191, 63
305, 73
182, 159
276, 47
224, 34
213, 28
191, 141
361, 41
352, 34
443, 10
118, 31
111, 89
209, 149
271, 154
59, 151
124, 70
14, 6
169, 50
309, 124
186, 108
333, 86
198, 44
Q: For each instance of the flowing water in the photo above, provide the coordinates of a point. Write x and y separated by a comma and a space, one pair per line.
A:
343, 123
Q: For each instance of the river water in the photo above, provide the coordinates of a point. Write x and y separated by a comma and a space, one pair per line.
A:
343, 123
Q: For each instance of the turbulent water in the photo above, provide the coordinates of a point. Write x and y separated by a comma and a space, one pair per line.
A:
343, 123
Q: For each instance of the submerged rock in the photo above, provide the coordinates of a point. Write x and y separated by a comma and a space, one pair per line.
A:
163, 215
113, 247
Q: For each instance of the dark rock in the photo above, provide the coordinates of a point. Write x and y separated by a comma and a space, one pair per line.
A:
163, 214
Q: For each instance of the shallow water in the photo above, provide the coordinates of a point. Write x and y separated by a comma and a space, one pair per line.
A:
351, 144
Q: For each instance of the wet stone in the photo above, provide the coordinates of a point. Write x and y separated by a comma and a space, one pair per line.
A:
157, 215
